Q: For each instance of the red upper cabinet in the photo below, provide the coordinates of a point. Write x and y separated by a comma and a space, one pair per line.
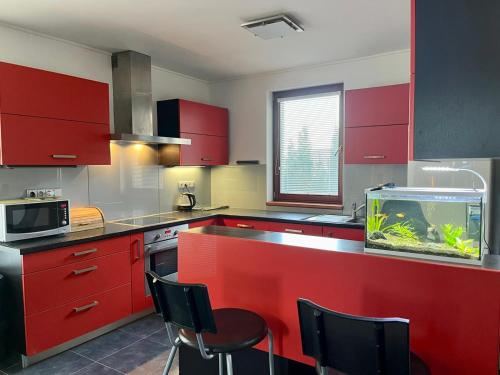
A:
385, 105
377, 145
39, 93
206, 126
27, 140
52, 119
183, 116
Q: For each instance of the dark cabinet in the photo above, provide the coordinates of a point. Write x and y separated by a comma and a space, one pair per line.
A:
456, 54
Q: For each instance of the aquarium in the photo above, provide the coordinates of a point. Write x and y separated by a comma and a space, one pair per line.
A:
438, 224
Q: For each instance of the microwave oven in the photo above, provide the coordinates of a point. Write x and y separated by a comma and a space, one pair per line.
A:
26, 218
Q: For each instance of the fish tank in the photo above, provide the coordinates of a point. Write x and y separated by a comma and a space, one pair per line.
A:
428, 223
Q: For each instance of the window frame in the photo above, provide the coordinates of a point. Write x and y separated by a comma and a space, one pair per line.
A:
306, 198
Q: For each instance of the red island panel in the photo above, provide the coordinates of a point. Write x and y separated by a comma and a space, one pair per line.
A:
454, 311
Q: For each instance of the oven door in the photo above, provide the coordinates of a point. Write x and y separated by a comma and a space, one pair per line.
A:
161, 258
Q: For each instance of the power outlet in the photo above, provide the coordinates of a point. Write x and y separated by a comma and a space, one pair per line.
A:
182, 185
43, 193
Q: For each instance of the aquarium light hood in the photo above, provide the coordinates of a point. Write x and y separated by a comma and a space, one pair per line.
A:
451, 169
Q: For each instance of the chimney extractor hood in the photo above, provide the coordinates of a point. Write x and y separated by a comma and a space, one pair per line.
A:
133, 101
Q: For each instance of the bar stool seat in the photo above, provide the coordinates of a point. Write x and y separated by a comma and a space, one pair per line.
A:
237, 329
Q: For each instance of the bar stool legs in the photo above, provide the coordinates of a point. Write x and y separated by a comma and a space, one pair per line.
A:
221, 364
271, 351
171, 356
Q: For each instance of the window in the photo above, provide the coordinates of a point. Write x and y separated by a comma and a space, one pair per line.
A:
308, 144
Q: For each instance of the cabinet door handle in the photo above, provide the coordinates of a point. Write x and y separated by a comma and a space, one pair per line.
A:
206, 159
297, 231
85, 252
137, 252
84, 270
247, 226
374, 157
64, 156
86, 307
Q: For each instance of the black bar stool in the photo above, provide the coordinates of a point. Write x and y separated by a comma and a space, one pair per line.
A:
357, 345
213, 332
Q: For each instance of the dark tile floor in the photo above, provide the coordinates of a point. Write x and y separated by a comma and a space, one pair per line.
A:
138, 348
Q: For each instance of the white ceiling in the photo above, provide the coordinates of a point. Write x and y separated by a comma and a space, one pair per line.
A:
203, 38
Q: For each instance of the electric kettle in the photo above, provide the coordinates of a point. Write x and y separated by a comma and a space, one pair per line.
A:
186, 201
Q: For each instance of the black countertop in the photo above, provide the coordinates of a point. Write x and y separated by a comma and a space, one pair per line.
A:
114, 229
490, 262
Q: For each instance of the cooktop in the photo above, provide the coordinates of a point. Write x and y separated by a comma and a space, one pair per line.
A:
146, 220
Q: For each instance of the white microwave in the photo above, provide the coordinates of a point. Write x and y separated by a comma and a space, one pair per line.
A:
26, 218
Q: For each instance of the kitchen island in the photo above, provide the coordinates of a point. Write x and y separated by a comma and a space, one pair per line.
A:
454, 310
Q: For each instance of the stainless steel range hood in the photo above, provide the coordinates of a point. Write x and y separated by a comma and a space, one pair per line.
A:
133, 100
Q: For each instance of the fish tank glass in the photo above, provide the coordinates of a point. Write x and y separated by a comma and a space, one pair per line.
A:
437, 224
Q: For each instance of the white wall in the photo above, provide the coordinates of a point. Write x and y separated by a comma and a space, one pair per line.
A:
134, 184
249, 100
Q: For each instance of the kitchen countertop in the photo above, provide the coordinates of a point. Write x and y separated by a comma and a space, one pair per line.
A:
112, 229
491, 262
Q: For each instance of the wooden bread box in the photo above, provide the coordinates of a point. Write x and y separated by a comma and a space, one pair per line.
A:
84, 218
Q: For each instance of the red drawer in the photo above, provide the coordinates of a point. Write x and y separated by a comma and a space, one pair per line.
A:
246, 224
203, 223
34, 92
377, 145
386, 105
41, 141
202, 118
74, 281
53, 327
310, 230
59, 257
344, 233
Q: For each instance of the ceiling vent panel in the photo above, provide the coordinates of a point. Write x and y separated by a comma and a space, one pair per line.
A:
273, 27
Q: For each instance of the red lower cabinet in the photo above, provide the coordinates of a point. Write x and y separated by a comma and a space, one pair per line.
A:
53, 327
74, 281
203, 223
344, 233
245, 223
377, 145
139, 299
310, 230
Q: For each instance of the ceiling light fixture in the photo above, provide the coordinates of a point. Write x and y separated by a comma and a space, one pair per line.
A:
272, 27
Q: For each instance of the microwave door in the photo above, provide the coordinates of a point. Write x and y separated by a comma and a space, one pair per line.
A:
31, 218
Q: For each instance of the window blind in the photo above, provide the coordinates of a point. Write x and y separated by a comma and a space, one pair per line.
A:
309, 140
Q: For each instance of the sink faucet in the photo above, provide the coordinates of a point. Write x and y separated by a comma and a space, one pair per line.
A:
355, 210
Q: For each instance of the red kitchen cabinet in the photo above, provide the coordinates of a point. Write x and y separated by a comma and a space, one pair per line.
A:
44, 260
344, 233
203, 223
204, 150
49, 328
39, 93
74, 281
49, 118
29, 140
245, 223
376, 145
139, 299
310, 230
178, 116
205, 125
385, 105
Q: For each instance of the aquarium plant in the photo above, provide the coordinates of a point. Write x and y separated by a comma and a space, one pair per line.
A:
376, 220
453, 237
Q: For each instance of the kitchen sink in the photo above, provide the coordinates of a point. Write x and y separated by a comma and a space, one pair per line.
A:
335, 219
